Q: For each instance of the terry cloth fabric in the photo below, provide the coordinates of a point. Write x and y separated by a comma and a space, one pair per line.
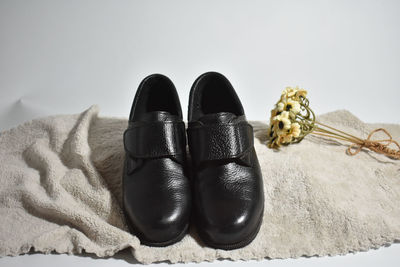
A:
60, 190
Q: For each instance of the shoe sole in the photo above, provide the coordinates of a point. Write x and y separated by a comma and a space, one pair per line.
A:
246, 241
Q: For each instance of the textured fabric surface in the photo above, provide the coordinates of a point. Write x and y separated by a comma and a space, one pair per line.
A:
61, 191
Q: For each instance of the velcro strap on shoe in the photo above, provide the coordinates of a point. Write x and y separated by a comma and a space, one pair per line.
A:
155, 139
220, 141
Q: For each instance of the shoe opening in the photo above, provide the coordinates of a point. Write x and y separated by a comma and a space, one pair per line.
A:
217, 95
157, 93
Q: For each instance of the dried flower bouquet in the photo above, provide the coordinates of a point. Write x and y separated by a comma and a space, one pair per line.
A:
292, 119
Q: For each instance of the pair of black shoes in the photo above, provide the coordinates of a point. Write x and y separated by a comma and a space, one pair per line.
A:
225, 178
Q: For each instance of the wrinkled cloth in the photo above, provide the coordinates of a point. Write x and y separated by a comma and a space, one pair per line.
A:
60, 190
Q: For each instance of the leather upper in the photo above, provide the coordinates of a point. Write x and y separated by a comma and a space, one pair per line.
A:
156, 191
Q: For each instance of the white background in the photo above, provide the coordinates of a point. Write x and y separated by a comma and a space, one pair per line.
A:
63, 56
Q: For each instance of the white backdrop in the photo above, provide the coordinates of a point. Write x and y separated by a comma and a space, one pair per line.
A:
63, 56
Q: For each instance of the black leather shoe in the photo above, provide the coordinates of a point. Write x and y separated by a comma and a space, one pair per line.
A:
227, 186
156, 190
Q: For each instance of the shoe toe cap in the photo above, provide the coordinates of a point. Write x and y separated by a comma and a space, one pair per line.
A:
165, 228
238, 230
158, 228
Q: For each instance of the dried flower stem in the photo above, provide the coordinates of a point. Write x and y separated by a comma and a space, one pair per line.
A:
335, 133
379, 146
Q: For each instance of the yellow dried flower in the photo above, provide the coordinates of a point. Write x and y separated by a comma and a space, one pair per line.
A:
293, 93
288, 92
281, 122
291, 106
288, 117
293, 132
300, 93
295, 129
274, 112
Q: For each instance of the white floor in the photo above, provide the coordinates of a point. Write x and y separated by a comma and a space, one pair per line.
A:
385, 256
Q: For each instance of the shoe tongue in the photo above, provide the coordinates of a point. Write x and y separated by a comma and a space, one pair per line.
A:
158, 116
224, 117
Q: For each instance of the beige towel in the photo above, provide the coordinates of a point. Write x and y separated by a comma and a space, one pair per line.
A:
60, 190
